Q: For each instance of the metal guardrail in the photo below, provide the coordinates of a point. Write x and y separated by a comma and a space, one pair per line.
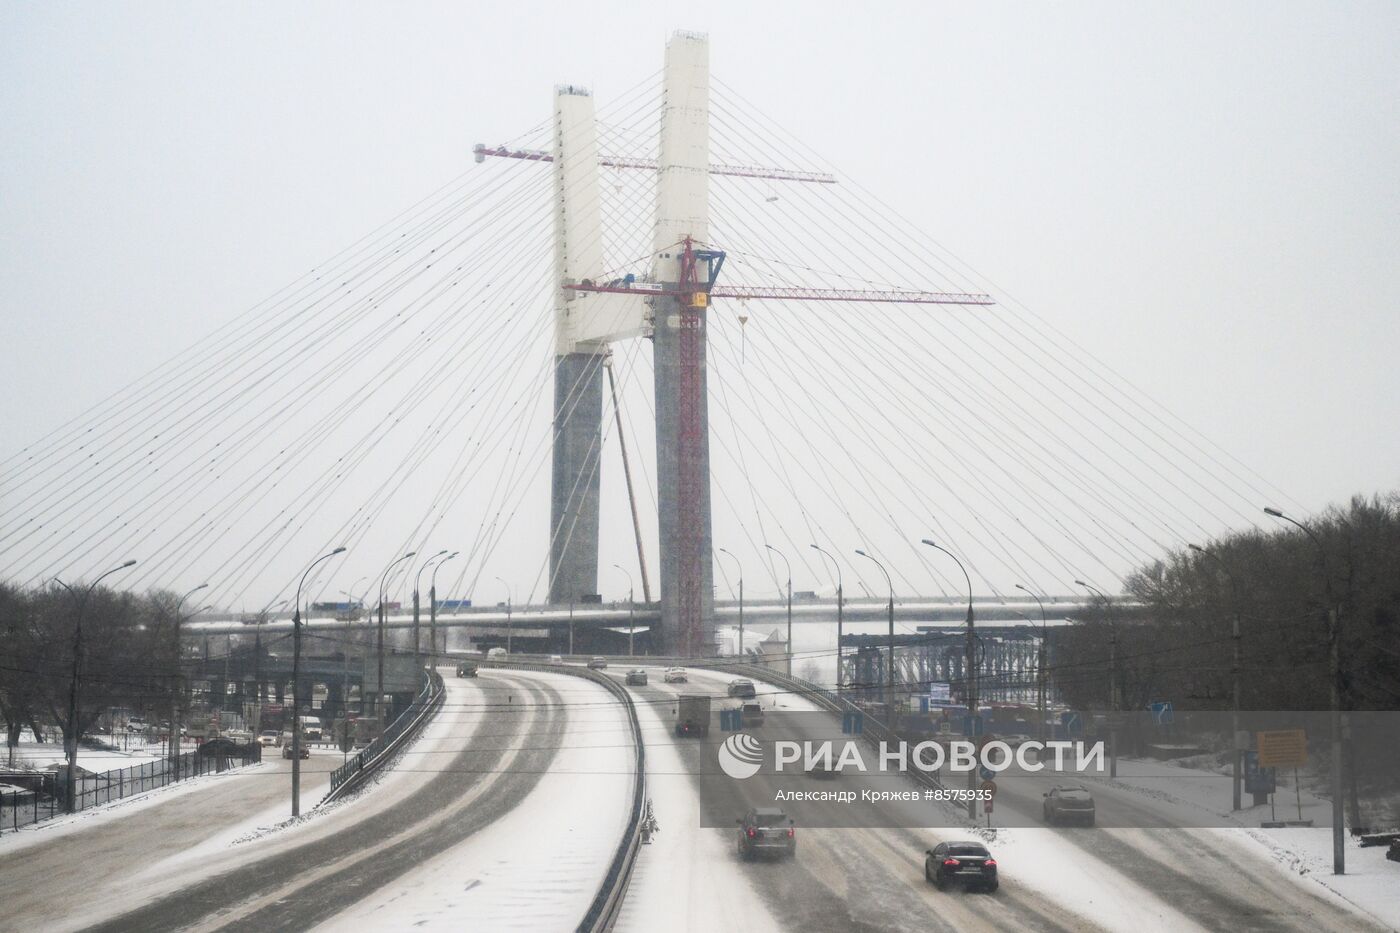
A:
374, 755
607, 903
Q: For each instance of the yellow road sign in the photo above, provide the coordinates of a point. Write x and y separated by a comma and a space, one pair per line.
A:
1283, 749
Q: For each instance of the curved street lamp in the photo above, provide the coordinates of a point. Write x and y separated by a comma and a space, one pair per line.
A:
176, 690
296, 684
1040, 661
1112, 677
509, 600
839, 611
71, 740
631, 611
889, 677
379, 697
972, 666
740, 567
789, 604
432, 604
417, 580
1334, 650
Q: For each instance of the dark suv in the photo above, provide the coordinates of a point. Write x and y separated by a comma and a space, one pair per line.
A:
766, 831
743, 689
965, 863
1068, 803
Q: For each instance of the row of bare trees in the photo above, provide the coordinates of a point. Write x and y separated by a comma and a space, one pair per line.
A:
66, 656
1277, 585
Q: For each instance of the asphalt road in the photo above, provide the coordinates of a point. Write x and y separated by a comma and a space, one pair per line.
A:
300, 886
872, 879
90, 860
854, 879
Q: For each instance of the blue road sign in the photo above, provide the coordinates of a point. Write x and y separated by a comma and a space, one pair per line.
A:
1073, 724
1161, 713
731, 720
973, 726
852, 722
1258, 780
986, 773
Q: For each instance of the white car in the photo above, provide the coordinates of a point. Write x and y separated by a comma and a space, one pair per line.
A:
268, 737
675, 675
555, 659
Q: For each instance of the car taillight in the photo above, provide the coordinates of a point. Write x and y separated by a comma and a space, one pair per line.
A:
950, 862
750, 832
990, 863
792, 833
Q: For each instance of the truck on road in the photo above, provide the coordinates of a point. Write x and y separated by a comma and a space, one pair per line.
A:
692, 715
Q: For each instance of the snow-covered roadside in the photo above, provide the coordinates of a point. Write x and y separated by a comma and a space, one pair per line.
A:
1371, 885
454, 726
686, 879
61, 826
538, 866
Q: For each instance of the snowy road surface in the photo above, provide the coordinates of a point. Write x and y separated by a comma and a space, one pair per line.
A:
872, 879
499, 740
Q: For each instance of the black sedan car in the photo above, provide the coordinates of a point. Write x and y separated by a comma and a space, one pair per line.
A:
637, 678
966, 863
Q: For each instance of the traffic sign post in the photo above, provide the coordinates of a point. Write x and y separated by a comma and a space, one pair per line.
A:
731, 720
1283, 749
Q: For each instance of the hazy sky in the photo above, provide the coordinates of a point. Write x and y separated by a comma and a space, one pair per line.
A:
1206, 195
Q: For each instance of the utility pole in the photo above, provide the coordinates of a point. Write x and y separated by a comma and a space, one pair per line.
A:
379, 698
296, 685
509, 600
971, 674
1112, 678
889, 676
1334, 657
839, 620
740, 568
631, 612
1042, 698
789, 604
417, 582
432, 603
176, 690
71, 739
1235, 750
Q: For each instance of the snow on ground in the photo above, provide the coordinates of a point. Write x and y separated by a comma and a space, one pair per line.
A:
452, 727
539, 866
686, 878
1371, 884
37, 756
59, 826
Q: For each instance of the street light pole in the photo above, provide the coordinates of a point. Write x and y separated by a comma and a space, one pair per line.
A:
1334, 647
971, 672
432, 603
175, 690
71, 740
509, 600
839, 619
296, 685
379, 697
789, 604
631, 612
1235, 749
1040, 662
1112, 678
417, 581
740, 567
889, 677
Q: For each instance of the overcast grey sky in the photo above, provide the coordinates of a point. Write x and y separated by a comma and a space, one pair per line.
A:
1206, 195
